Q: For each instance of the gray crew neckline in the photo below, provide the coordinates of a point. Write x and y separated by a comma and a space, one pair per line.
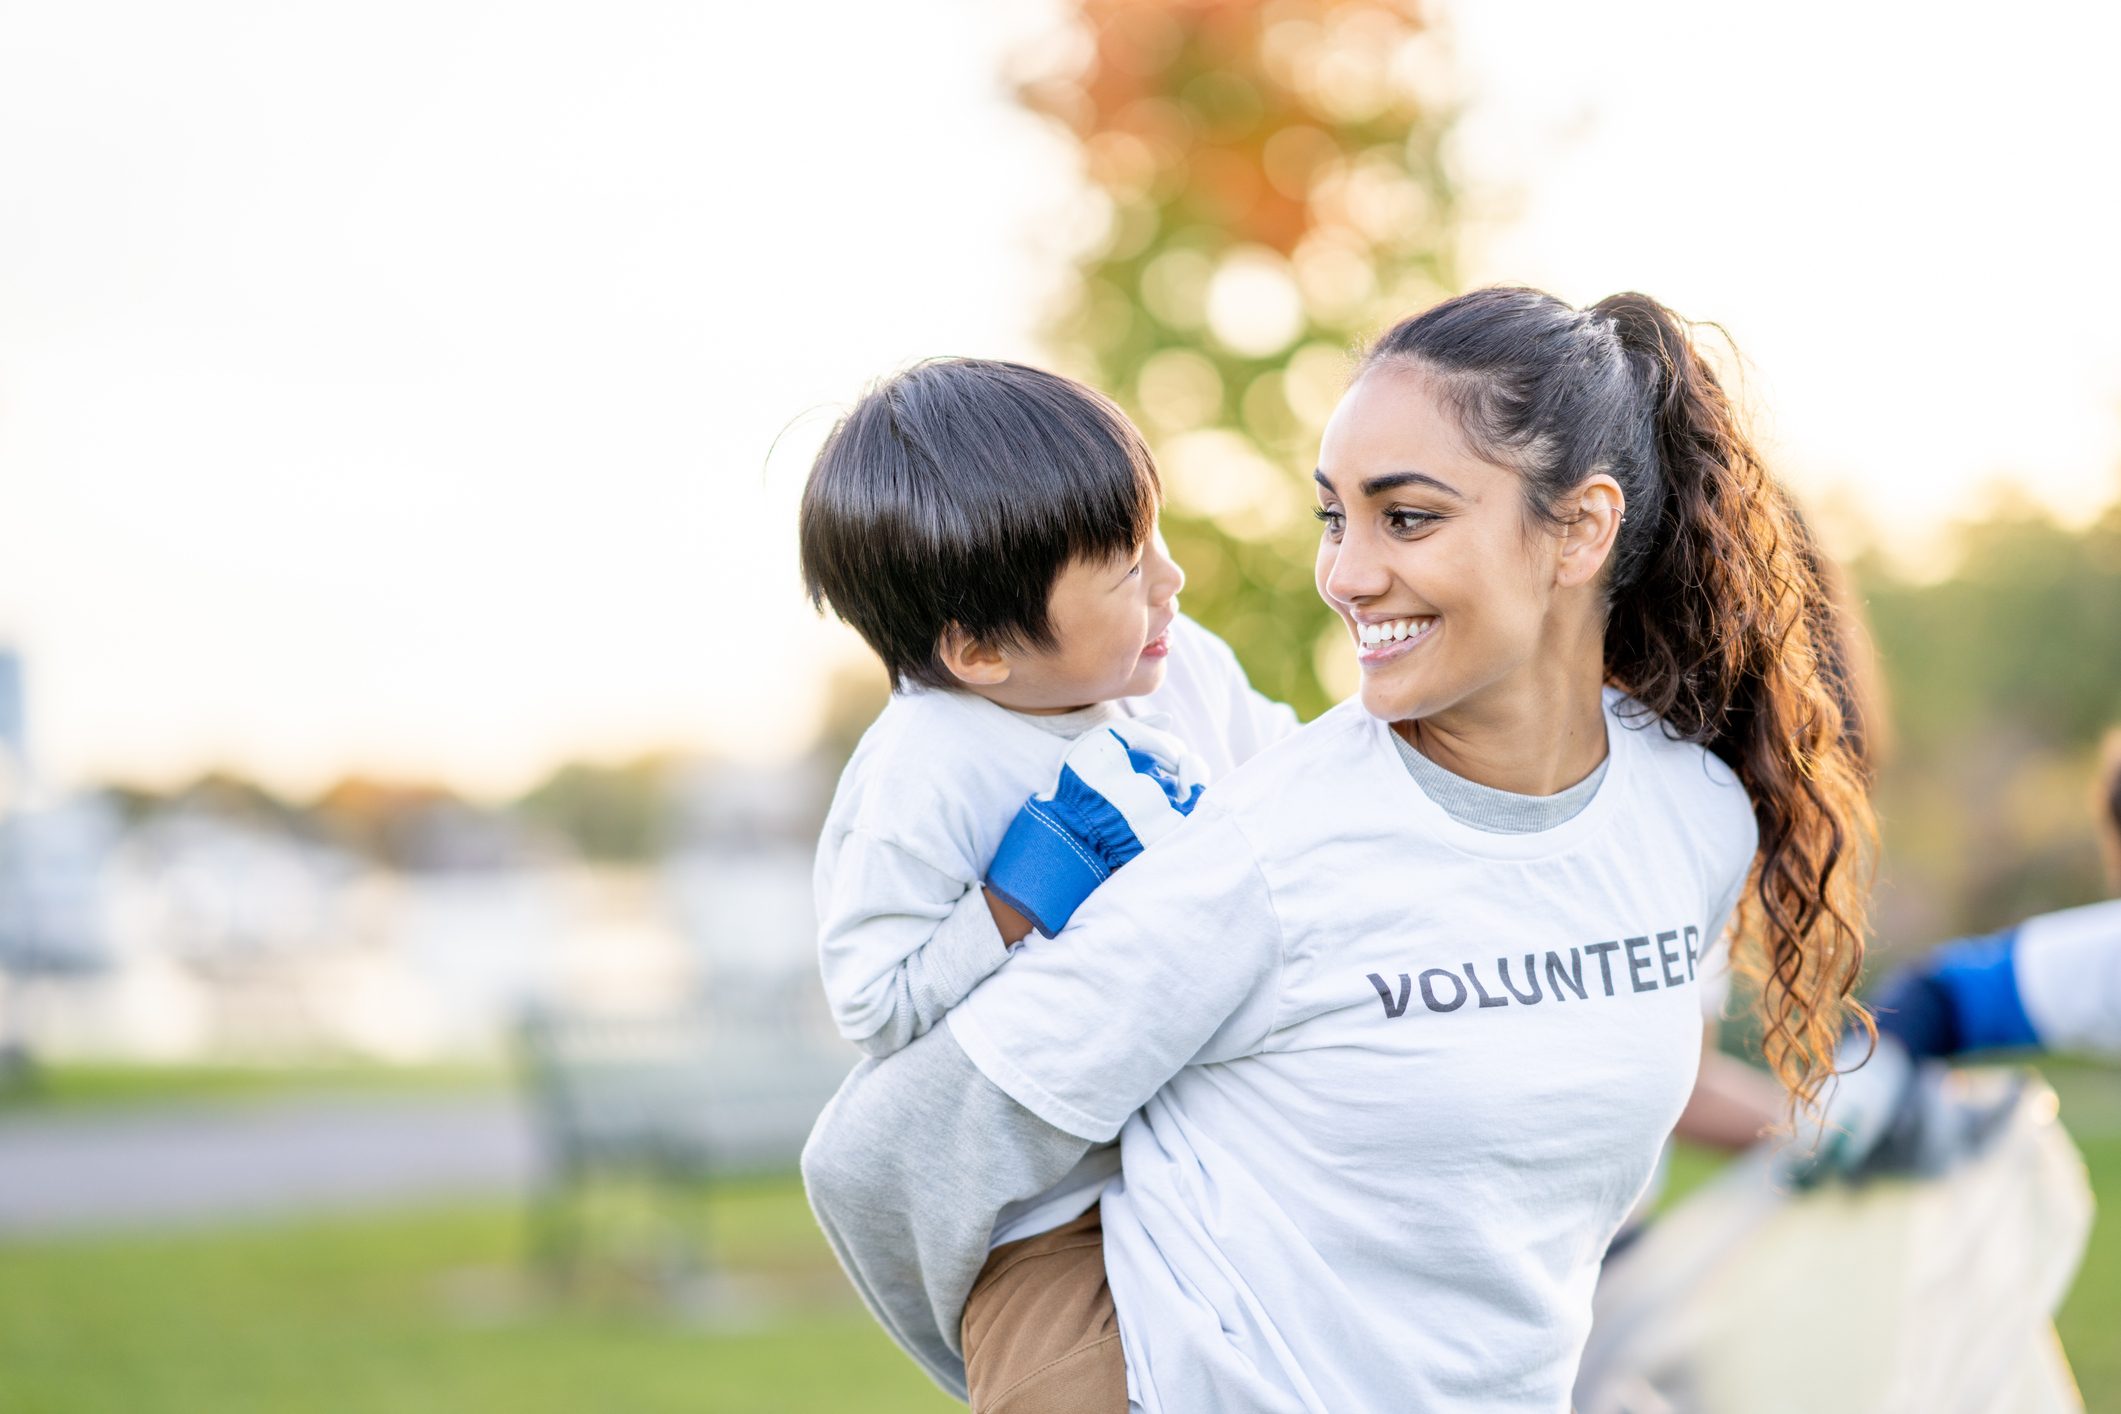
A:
1492, 811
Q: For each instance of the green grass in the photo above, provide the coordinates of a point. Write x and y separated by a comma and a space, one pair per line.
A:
431, 1311
2090, 1321
73, 1086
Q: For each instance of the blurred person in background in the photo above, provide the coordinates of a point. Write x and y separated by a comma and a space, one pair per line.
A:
2051, 983
2107, 806
1369, 1162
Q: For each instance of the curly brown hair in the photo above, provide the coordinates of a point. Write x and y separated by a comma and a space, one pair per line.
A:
1719, 621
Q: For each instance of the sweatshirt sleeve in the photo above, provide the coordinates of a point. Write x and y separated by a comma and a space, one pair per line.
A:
1177, 958
901, 942
2067, 967
907, 1170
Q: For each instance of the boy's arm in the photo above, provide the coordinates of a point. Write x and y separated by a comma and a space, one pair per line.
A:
910, 1221
902, 943
892, 967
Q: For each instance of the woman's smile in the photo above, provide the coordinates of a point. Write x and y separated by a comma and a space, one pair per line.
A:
1384, 641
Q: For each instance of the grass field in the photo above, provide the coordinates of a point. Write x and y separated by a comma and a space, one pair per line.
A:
432, 1311
77, 1085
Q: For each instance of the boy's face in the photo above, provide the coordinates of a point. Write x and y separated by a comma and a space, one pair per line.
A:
1111, 620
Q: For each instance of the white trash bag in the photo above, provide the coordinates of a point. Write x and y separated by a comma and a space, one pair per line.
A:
1934, 1295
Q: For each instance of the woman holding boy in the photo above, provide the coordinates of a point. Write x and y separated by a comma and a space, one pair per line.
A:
1391, 1030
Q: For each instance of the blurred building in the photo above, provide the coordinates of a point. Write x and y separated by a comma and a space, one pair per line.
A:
738, 880
396, 923
52, 851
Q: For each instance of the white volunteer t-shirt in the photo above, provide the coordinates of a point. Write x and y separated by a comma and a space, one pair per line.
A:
2068, 969
1386, 1084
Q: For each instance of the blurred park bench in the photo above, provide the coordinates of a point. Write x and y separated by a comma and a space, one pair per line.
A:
658, 1108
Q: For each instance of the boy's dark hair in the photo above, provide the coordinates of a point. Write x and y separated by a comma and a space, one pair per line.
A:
955, 493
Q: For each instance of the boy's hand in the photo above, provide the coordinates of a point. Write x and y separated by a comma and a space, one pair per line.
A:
1120, 790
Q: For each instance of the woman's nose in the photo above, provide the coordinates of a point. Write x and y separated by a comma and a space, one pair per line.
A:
1356, 571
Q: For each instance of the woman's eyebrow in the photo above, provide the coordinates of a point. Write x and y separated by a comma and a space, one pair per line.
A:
1392, 480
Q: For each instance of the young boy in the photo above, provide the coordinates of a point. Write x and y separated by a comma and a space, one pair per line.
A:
990, 531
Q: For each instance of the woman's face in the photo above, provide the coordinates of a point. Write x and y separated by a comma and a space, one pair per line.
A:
1428, 554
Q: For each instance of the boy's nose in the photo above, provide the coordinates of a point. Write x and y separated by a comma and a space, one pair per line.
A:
1165, 577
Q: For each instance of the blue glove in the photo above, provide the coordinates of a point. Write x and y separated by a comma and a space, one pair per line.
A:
1962, 997
1120, 790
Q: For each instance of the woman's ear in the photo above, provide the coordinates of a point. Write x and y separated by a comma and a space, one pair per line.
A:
1587, 537
971, 662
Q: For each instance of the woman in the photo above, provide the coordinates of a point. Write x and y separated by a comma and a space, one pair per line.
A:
1387, 1069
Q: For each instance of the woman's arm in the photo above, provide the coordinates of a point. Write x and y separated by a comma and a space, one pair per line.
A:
1733, 1104
907, 1169
1174, 958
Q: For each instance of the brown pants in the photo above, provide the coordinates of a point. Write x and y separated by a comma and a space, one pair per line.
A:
1040, 1333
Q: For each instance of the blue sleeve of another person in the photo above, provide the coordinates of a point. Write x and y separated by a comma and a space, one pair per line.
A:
1962, 997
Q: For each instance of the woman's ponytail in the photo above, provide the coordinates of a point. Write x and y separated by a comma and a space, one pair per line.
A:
1732, 635
1720, 620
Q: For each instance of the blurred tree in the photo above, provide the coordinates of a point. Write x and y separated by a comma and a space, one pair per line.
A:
2028, 628
371, 816
617, 812
235, 797
1273, 192
854, 695
2001, 679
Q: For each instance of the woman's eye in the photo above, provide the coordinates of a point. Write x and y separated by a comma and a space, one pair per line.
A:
1332, 520
1405, 521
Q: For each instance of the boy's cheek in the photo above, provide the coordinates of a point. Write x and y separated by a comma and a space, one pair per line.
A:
1147, 678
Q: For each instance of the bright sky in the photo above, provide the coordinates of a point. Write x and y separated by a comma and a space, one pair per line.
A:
424, 388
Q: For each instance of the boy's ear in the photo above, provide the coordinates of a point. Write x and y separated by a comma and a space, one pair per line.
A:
971, 662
